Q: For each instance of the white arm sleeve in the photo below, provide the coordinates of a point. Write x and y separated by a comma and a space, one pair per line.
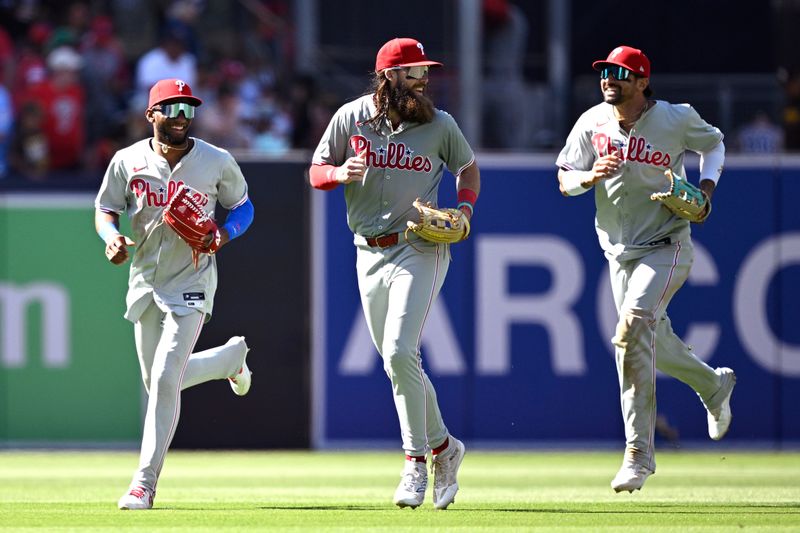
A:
572, 181
711, 163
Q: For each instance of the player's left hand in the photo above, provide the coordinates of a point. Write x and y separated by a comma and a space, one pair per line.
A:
684, 199
440, 225
224, 238
708, 187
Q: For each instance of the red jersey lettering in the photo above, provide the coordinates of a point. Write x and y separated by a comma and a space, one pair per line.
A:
638, 150
393, 155
160, 196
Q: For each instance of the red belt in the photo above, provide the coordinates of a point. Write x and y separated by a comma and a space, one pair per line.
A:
383, 241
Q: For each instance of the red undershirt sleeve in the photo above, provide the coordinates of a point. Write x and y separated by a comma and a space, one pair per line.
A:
323, 177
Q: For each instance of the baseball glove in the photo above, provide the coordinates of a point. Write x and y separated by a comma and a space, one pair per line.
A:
188, 219
684, 199
445, 225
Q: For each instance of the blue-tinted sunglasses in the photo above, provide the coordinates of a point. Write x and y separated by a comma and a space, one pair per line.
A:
173, 110
619, 73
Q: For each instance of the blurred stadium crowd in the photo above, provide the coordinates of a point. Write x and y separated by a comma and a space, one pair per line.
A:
75, 77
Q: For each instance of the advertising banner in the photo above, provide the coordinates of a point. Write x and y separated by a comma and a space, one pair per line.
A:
518, 343
68, 366
69, 374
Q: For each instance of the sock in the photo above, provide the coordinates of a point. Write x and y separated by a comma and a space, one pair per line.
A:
442, 447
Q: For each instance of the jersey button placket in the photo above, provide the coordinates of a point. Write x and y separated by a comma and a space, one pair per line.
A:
625, 222
383, 203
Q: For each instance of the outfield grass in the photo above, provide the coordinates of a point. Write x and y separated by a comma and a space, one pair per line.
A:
303, 491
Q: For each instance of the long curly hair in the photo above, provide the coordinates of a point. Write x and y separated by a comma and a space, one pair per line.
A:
381, 90
401, 99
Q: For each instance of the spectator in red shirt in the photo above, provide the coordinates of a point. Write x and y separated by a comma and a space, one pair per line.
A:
29, 68
61, 97
107, 79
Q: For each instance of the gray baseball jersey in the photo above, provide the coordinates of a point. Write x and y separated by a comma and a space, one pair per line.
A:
628, 222
402, 164
398, 284
140, 182
649, 251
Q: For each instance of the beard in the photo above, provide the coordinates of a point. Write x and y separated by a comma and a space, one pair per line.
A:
171, 139
411, 105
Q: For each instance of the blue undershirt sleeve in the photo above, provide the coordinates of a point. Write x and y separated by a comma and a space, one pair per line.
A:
239, 219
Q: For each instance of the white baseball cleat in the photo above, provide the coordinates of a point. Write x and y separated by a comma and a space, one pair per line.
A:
630, 477
445, 471
136, 499
241, 381
719, 419
413, 482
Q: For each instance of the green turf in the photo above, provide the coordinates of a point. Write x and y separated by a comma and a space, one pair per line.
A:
303, 491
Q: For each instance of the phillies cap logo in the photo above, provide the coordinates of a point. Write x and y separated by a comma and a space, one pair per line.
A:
421, 49
181, 84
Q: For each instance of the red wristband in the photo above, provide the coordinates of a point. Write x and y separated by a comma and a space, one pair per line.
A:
467, 198
467, 195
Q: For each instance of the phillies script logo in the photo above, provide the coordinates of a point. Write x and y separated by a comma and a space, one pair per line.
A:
394, 155
638, 150
160, 196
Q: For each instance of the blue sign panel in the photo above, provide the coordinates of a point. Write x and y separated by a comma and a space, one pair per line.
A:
518, 344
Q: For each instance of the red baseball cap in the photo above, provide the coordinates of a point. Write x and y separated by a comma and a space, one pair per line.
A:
402, 52
171, 89
632, 59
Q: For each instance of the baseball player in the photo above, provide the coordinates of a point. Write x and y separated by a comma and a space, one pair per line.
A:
622, 147
388, 148
169, 298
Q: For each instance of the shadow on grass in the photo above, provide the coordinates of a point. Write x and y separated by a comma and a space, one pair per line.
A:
321, 508
772, 509
767, 509
626, 508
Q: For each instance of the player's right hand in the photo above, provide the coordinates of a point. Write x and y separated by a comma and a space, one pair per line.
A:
352, 170
117, 249
606, 167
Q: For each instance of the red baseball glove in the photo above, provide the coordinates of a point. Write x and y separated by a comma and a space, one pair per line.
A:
186, 216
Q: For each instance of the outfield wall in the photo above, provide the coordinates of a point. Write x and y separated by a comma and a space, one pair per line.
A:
68, 368
517, 344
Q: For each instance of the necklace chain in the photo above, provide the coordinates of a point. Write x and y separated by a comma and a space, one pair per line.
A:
636, 117
166, 148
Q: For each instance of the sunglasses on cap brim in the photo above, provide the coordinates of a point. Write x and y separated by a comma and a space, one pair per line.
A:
173, 110
414, 73
619, 73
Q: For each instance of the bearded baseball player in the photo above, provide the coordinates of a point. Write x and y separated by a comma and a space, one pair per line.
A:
622, 147
389, 149
167, 184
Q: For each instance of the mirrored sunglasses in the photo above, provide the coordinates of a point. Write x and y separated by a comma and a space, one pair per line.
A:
619, 73
415, 73
173, 110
